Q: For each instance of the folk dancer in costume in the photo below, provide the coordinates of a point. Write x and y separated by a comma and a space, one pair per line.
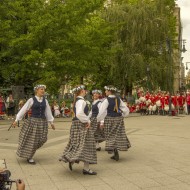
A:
35, 129
81, 145
98, 132
112, 111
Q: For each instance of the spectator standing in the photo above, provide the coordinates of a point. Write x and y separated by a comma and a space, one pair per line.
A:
188, 103
2, 107
10, 106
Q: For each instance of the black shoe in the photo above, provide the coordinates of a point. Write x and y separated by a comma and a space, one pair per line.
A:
32, 162
98, 149
112, 157
116, 154
70, 166
89, 172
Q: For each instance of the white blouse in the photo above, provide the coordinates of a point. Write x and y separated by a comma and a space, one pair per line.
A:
80, 105
29, 104
104, 105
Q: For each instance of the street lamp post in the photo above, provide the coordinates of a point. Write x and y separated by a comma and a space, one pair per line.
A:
187, 66
183, 48
148, 78
168, 42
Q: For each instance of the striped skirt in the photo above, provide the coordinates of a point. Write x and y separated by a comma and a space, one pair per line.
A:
98, 133
81, 145
115, 135
32, 136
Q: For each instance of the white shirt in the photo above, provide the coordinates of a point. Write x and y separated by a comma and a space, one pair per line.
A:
29, 104
104, 105
80, 105
94, 102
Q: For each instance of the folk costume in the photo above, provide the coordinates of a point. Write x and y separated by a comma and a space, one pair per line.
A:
98, 133
112, 111
35, 129
81, 145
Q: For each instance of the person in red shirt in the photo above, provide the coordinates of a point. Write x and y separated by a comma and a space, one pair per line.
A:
162, 100
2, 107
181, 102
174, 104
188, 103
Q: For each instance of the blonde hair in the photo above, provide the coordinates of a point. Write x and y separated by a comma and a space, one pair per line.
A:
21, 102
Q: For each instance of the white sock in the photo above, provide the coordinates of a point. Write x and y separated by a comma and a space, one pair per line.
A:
86, 166
31, 160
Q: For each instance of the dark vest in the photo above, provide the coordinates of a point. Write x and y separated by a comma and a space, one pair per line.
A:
86, 109
111, 111
38, 108
95, 109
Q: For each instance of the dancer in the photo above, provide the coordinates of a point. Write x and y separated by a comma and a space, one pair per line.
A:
81, 145
98, 132
35, 129
112, 111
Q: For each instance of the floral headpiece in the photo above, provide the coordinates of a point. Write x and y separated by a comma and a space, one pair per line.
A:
110, 88
96, 91
81, 87
39, 86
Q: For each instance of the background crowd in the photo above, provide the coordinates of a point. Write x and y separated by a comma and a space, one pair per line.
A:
160, 103
145, 103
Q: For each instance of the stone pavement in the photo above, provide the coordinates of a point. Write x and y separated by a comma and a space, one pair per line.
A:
159, 158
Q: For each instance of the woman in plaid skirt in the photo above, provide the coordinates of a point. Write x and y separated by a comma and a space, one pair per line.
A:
81, 145
35, 129
98, 133
111, 113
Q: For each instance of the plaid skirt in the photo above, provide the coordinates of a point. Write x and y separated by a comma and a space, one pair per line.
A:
32, 136
115, 135
81, 145
98, 133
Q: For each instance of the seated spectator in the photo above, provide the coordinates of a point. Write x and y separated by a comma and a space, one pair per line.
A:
20, 105
65, 111
56, 109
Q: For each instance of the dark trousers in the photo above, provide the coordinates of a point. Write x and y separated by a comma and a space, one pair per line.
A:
188, 109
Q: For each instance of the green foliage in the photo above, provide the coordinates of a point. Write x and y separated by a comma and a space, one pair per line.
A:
58, 42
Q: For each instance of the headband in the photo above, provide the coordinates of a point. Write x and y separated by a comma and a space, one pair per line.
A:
112, 88
39, 86
81, 87
96, 91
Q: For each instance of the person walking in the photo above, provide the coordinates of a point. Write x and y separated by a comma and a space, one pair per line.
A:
110, 116
81, 145
35, 129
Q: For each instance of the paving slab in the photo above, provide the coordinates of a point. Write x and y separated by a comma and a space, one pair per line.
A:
157, 160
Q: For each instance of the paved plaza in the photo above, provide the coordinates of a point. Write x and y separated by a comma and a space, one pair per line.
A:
159, 158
